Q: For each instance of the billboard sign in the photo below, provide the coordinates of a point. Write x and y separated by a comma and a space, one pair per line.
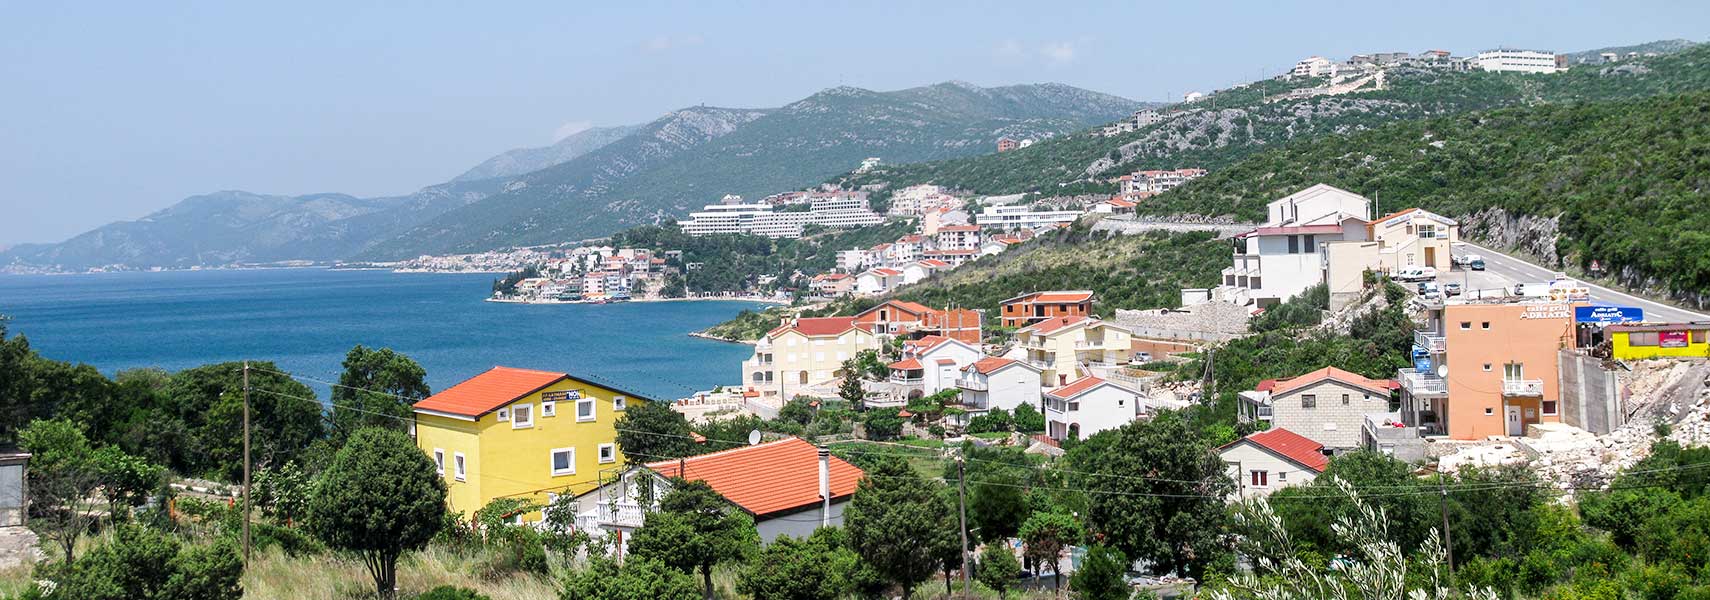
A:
1671, 339
1608, 314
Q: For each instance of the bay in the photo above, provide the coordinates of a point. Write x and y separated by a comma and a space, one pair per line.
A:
305, 320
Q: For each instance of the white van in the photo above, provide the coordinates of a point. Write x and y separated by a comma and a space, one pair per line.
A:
1415, 274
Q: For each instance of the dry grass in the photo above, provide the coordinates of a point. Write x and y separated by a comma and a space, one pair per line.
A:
273, 575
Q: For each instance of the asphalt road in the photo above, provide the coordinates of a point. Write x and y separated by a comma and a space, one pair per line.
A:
1503, 271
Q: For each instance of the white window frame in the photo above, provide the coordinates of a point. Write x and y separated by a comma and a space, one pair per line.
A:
593, 411
460, 467
548, 408
518, 423
439, 461
552, 462
504, 414
608, 453
619, 403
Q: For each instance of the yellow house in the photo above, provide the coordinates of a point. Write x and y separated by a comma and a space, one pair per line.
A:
521, 433
1068, 347
1637, 341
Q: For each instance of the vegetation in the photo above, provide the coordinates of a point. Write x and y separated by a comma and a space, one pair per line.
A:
695, 528
899, 524
377, 388
380, 496
731, 263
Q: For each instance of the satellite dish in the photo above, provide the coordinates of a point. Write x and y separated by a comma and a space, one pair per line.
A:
754, 437
1443, 371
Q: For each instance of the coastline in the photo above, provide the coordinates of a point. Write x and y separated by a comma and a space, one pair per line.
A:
759, 300
707, 336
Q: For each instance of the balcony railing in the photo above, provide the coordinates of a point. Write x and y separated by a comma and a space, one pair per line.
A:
1436, 344
1522, 387
611, 514
972, 385
1423, 384
905, 379
1042, 364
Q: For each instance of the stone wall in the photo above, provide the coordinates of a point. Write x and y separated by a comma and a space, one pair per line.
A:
1207, 321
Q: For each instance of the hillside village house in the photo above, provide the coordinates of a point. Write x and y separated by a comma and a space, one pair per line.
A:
1413, 238
996, 382
789, 487
510, 433
832, 285
1281, 258
1270, 460
915, 320
954, 257
1065, 348
1487, 368
958, 237
1140, 185
804, 352
877, 281
1028, 309
1329, 405
919, 270
930, 365
1087, 406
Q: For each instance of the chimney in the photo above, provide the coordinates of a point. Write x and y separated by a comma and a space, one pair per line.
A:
825, 486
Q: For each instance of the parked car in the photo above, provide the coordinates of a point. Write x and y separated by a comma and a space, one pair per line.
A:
1415, 274
1451, 289
1471, 261
1429, 289
1141, 358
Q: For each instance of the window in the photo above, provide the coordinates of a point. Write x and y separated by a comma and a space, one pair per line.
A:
1293, 245
608, 453
548, 408
522, 416
1488, 411
504, 414
1642, 338
1073, 406
563, 461
1513, 371
1549, 407
439, 461
1308, 401
1309, 243
1487, 367
1259, 478
1698, 335
619, 403
1465, 325
1484, 325
460, 472
1282, 476
584, 410
1344, 399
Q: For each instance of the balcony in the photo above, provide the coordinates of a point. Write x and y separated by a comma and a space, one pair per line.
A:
901, 379
611, 514
972, 385
1523, 387
1436, 344
1423, 385
1042, 364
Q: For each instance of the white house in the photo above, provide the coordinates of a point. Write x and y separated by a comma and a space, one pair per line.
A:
1271, 460
931, 364
1280, 259
1018, 216
789, 487
1087, 406
922, 269
1314, 66
853, 260
996, 382
874, 282
1517, 61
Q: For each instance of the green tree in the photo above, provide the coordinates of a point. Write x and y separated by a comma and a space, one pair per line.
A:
898, 522
144, 564
62, 473
1045, 535
882, 425
637, 579
126, 480
820, 567
379, 497
850, 389
285, 417
998, 568
650, 431
1410, 512
1166, 487
282, 493
695, 528
1028, 419
1103, 575
376, 389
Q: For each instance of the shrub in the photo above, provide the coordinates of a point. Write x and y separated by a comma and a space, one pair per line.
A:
446, 592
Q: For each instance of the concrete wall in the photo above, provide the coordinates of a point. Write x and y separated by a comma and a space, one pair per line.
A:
12, 494
1345, 269
1332, 423
1207, 321
1590, 394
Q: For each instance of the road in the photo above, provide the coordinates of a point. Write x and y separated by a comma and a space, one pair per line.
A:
1503, 271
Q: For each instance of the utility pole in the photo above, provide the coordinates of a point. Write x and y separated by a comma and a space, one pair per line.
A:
246, 546
1443, 504
962, 499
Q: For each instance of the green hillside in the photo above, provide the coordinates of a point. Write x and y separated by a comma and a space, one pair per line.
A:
1626, 183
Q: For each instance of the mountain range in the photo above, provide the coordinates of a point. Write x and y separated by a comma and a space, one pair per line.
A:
589, 184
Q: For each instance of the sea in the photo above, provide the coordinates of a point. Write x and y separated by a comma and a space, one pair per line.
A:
305, 320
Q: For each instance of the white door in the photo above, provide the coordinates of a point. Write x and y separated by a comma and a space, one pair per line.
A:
1515, 425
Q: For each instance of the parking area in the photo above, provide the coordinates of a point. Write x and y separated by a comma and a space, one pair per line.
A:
1502, 272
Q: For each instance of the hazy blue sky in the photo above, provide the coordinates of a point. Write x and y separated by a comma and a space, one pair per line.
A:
112, 110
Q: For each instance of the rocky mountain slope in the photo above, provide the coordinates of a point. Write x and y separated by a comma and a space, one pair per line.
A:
692, 157
528, 160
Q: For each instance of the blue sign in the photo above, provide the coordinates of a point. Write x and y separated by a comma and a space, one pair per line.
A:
1608, 314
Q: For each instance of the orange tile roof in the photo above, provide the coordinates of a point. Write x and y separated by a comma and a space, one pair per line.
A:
767, 479
483, 393
817, 326
1054, 323
886, 272
990, 364
1379, 386
907, 364
946, 361
1076, 387
926, 343
958, 228
1290, 445
935, 263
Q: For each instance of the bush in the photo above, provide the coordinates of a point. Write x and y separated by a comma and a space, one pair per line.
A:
998, 568
447, 592
145, 564
995, 420
1028, 419
882, 425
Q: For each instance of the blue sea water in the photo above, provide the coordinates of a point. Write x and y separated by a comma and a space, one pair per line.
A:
306, 319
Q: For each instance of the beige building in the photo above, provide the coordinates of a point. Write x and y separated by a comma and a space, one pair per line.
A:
1066, 348
802, 353
1329, 405
1413, 238
1270, 460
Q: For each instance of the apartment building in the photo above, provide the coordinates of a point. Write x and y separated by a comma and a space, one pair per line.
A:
1414, 237
877, 281
921, 199
1281, 258
1518, 61
914, 320
1314, 66
1005, 144
804, 352
931, 364
853, 260
1034, 307
732, 216
958, 237
1486, 368
1066, 348
1145, 184
1016, 216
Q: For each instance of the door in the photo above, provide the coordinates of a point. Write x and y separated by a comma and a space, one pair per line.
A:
1430, 256
1512, 415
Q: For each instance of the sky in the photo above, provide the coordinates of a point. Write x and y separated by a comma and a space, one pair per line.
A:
112, 110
